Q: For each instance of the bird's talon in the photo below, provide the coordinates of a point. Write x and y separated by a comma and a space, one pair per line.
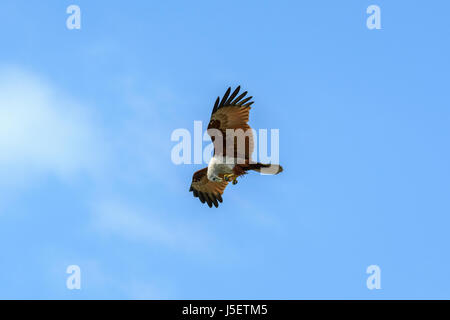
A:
235, 181
228, 177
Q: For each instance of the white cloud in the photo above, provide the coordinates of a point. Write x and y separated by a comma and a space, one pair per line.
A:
113, 217
41, 130
46, 132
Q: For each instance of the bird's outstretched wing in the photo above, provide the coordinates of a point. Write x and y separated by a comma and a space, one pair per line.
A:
232, 112
206, 190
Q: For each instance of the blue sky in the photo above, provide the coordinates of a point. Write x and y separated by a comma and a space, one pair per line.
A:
86, 176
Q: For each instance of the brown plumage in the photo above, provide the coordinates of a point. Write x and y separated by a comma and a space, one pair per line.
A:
229, 121
232, 114
206, 190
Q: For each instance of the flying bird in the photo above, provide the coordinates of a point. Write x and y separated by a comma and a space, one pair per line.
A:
233, 142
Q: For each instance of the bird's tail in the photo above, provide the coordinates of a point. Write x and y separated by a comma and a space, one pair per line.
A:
265, 168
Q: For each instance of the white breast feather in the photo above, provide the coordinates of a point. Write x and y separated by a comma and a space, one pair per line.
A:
220, 165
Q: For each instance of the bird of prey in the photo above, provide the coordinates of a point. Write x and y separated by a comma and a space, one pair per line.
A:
233, 143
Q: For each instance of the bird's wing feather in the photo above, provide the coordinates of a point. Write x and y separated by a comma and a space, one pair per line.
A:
232, 112
206, 190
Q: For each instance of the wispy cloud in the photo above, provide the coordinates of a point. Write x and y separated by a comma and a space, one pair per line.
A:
46, 132
42, 130
143, 225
